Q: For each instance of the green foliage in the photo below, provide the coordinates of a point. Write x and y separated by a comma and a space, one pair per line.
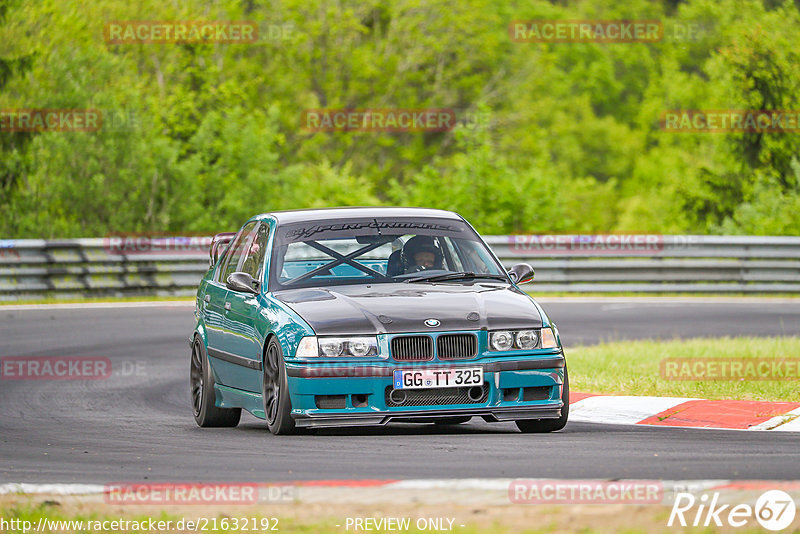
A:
198, 137
480, 184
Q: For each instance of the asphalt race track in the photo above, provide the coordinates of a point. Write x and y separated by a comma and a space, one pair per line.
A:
137, 425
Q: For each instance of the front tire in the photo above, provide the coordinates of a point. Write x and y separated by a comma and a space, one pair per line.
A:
275, 391
204, 402
538, 426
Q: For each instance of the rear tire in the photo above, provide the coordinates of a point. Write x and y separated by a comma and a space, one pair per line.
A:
204, 403
538, 426
275, 391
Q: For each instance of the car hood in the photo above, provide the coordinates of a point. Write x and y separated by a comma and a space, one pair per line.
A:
401, 307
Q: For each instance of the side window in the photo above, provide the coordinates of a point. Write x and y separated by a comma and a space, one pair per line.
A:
234, 252
254, 262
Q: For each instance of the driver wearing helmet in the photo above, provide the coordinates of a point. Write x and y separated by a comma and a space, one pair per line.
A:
420, 253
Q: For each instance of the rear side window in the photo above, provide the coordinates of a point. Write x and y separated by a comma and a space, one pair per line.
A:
235, 250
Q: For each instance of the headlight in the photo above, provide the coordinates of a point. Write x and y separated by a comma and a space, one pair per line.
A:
548, 339
331, 347
522, 339
502, 340
362, 346
526, 339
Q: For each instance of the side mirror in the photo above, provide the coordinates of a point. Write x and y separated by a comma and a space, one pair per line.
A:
242, 282
521, 273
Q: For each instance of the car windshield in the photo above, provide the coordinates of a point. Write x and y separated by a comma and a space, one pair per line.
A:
367, 251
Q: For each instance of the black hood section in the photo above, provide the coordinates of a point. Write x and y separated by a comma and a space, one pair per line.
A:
397, 308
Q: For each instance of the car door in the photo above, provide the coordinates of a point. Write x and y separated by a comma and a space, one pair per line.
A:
224, 362
245, 339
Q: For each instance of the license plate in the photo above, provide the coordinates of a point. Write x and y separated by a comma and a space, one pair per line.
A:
437, 378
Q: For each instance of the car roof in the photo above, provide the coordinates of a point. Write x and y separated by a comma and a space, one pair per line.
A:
327, 214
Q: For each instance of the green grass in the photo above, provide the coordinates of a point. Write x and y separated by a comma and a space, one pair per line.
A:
632, 368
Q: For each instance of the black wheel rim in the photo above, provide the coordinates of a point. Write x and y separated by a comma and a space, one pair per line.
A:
272, 384
197, 378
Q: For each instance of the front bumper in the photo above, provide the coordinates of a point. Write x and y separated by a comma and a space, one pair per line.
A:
492, 415
360, 394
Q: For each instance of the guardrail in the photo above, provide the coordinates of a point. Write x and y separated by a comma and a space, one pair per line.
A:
656, 263
31, 268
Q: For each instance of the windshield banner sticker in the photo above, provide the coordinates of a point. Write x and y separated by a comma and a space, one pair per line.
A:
311, 231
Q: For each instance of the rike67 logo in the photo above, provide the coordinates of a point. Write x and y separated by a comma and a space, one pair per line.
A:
774, 510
